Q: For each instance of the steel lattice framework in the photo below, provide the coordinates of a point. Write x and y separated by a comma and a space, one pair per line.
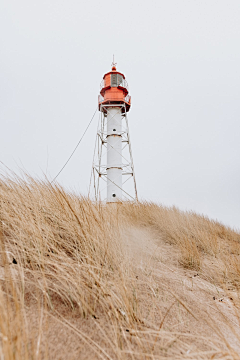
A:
99, 181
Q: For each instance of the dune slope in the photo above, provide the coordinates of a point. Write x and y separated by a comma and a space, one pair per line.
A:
85, 280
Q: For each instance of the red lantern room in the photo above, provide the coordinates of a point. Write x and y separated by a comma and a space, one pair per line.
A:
114, 89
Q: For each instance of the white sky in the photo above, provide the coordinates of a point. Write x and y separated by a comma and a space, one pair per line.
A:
181, 59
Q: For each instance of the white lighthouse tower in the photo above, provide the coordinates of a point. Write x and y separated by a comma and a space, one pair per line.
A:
113, 162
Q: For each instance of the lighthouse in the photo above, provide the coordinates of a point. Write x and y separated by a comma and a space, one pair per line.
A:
112, 164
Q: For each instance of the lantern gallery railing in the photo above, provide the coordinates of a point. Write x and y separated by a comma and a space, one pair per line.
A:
100, 99
127, 99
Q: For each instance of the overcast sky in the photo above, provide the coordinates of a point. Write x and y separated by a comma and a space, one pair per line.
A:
181, 59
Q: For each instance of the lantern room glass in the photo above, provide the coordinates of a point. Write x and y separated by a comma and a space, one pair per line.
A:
116, 80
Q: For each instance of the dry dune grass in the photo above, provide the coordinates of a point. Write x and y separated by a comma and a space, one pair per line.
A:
70, 289
197, 237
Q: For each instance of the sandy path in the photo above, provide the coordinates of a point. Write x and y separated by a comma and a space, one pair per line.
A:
209, 303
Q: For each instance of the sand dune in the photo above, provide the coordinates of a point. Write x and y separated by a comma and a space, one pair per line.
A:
81, 280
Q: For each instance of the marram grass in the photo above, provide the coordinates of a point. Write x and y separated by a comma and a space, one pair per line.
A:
73, 287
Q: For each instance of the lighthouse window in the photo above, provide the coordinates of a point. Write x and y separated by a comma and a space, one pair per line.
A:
120, 79
114, 195
116, 80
